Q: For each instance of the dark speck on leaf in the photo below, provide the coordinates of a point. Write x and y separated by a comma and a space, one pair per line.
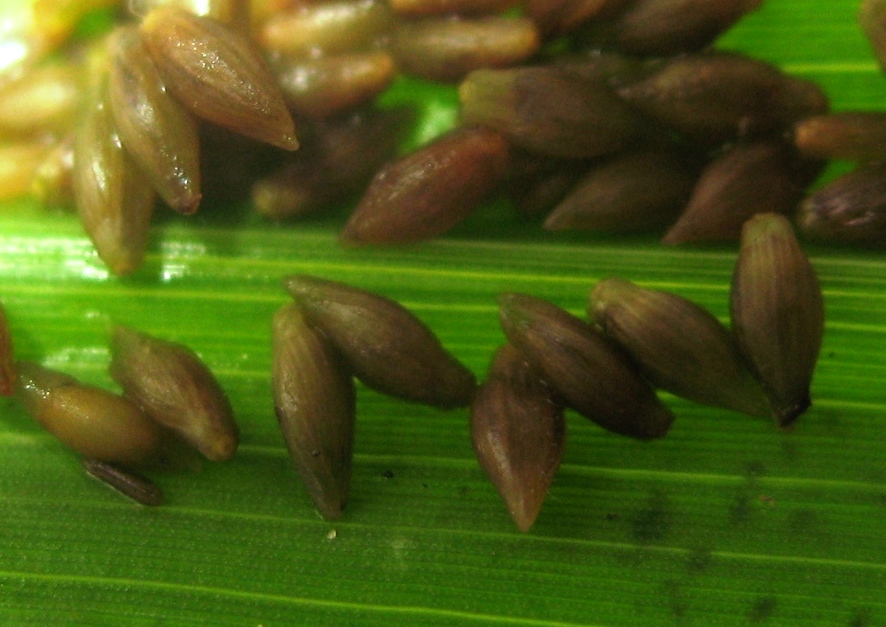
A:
388, 474
762, 610
652, 523
861, 618
698, 560
315, 453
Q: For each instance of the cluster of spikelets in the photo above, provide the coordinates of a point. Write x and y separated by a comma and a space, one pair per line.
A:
621, 118
639, 340
171, 405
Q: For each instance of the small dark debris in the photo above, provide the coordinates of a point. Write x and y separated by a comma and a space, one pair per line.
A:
861, 618
653, 522
762, 610
315, 453
388, 474
698, 561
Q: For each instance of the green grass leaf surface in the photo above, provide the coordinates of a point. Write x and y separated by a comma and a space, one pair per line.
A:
726, 521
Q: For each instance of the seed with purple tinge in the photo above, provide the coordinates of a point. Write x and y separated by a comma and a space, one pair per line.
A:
589, 372
667, 27
218, 74
551, 111
175, 388
388, 348
446, 49
777, 313
159, 133
427, 192
127, 482
315, 403
851, 208
679, 345
632, 191
518, 432
87, 419
745, 180
556, 17
7, 358
852, 135
713, 97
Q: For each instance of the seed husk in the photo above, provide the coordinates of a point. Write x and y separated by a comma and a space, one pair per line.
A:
335, 27
338, 160
7, 357
538, 191
426, 193
851, 208
155, 129
218, 74
872, 19
680, 346
518, 433
114, 198
714, 97
852, 135
331, 85
419, 8
233, 13
613, 68
557, 17
315, 403
175, 388
87, 419
18, 164
387, 347
127, 482
777, 313
745, 180
589, 372
550, 111
632, 191
45, 100
446, 49
666, 27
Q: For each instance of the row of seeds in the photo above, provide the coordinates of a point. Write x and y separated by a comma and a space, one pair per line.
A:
607, 370
623, 118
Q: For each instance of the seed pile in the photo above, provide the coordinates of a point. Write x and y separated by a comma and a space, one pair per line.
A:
171, 405
609, 115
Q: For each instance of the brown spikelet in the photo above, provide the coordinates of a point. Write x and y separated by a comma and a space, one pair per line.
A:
518, 432
175, 388
386, 346
218, 74
7, 357
314, 400
777, 313
851, 208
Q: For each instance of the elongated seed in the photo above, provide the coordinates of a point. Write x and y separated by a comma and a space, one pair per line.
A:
339, 159
233, 13
45, 100
175, 388
714, 97
777, 313
127, 482
388, 347
556, 17
680, 346
851, 208
333, 84
315, 403
589, 372
155, 129
745, 180
429, 191
446, 49
53, 181
334, 27
852, 135
632, 191
87, 419
218, 74
666, 27
114, 198
7, 357
518, 433
417, 8
550, 111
